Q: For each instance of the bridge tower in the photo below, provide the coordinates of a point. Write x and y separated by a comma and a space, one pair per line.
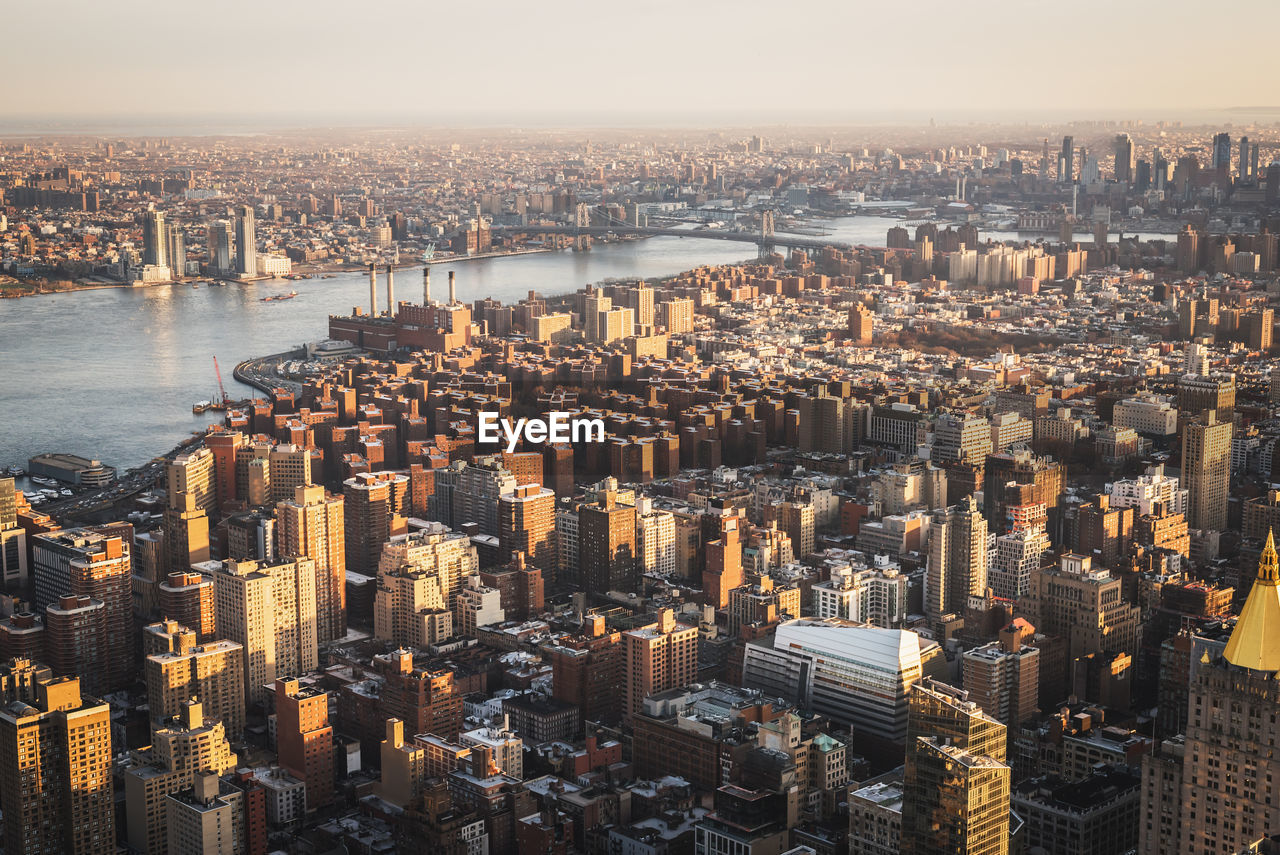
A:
582, 220
766, 233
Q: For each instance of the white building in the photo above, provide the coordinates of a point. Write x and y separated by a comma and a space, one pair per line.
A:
1149, 416
1017, 557
655, 538
872, 595
855, 674
1148, 490
274, 265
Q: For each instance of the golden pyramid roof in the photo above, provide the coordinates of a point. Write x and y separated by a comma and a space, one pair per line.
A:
1255, 642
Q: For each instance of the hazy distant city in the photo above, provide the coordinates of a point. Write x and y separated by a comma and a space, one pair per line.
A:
591, 436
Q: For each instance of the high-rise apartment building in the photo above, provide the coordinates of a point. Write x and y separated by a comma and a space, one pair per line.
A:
246, 242
188, 598
607, 545
527, 523
419, 578
193, 473
74, 646
1075, 601
1003, 677
1124, 158
55, 765
210, 817
186, 532
304, 738
375, 509
178, 669
96, 564
269, 609
957, 559
219, 240
426, 699
663, 655
480, 485
186, 744
724, 563
14, 572
311, 525
155, 247
1206, 471
588, 671
961, 438
1019, 478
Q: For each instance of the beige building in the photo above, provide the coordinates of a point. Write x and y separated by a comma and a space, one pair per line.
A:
663, 655
402, 766
419, 576
269, 609
676, 316
187, 745
1206, 471
554, 328
207, 818
212, 672
1085, 606
527, 523
192, 473
57, 744
310, 525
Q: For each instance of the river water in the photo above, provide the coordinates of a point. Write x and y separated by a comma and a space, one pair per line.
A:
112, 373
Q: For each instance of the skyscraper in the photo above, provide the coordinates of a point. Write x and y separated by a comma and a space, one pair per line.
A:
176, 250
192, 472
419, 578
1066, 161
1124, 158
184, 746
527, 523
607, 545
312, 526
55, 765
1229, 767
956, 786
957, 560
155, 244
103, 572
375, 504
1222, 153
219, 241
475, 498
1206, 471
246, 242
179, 669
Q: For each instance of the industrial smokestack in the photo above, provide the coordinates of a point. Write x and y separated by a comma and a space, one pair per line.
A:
391, 291
426, 285
373, 291
453, 290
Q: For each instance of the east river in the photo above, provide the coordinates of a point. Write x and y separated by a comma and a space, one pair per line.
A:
112, 373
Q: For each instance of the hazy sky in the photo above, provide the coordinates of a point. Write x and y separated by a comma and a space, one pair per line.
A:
505, 61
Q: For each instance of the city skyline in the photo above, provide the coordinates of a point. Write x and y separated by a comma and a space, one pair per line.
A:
921, 482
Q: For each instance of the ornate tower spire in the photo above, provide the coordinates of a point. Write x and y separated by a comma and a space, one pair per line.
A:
1255, 642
